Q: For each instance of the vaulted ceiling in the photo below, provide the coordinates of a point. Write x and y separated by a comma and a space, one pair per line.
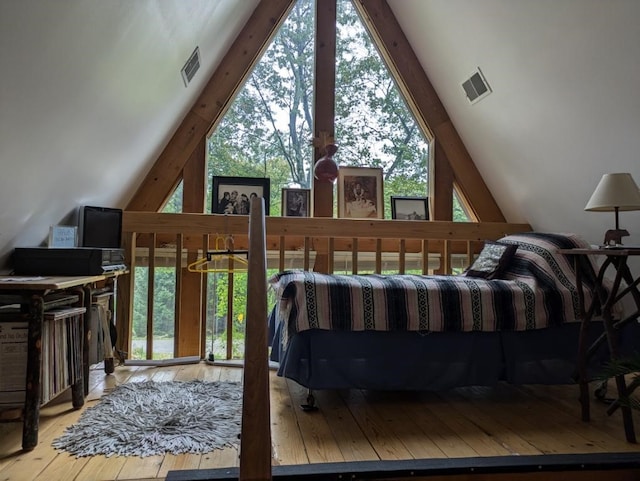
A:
91, 92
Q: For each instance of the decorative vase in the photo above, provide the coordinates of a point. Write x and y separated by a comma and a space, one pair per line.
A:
326, 169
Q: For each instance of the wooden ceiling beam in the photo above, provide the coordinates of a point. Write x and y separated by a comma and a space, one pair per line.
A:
190, 320
211, 105
324, 109
415, 85
324, 99
440, 184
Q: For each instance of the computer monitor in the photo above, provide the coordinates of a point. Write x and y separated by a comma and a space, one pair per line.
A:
100, 227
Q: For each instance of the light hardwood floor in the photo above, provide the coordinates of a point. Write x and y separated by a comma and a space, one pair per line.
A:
349, 426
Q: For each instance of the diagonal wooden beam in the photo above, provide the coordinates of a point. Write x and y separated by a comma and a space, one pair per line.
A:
415, 85
211, 104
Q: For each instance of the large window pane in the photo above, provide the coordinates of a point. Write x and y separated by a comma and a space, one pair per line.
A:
374, 126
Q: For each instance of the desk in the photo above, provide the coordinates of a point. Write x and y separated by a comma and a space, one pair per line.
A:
604, 301
36, 294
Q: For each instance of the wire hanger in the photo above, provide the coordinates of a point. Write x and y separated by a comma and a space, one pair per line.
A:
219, 255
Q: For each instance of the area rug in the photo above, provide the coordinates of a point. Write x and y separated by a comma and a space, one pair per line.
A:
150, 418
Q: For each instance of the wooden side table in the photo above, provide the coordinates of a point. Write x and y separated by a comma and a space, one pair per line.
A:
36, 294
603, 301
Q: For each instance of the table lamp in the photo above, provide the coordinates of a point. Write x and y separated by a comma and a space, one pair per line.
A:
615, 192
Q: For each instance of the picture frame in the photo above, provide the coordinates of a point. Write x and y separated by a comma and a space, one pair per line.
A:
360, 193
409, 208
232, 195
63, 236
296, 202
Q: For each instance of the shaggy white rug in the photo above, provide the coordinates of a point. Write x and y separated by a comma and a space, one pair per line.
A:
149, 418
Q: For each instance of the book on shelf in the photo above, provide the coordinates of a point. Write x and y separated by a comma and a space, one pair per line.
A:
61, 350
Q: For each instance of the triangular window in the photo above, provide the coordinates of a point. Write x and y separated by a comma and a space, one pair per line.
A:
374, 126
267, 130
174, 203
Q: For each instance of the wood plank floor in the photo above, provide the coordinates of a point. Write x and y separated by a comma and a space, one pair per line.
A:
349, 426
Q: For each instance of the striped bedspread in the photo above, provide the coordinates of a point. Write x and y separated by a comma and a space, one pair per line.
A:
538, 290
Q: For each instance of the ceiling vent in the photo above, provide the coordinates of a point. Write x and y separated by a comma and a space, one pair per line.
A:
191, 67
476, 87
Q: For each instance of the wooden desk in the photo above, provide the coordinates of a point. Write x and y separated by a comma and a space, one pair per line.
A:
36, 294
604, 301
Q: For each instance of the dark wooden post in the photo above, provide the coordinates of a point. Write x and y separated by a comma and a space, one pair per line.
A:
324, 109
255, 446
34, 358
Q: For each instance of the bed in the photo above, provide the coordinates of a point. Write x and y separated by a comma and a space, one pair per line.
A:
518, 324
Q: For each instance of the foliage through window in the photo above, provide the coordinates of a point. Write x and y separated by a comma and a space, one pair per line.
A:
374, 126
268, 128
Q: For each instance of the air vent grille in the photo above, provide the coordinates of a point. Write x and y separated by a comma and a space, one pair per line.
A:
476, 87
191, 67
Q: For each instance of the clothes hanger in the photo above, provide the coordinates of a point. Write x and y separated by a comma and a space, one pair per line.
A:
220, 255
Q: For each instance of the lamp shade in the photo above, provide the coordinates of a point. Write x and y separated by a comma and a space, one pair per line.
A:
615, 192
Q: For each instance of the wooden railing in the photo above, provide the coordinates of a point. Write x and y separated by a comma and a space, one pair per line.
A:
321, 244
255, 438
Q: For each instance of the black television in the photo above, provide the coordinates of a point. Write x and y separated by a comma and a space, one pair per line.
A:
100, 227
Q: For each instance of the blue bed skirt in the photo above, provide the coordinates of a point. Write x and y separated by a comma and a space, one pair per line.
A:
321, 359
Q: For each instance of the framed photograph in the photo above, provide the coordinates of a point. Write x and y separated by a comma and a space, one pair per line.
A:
409, 208
63, 236
296, 202
231, 195
360, 193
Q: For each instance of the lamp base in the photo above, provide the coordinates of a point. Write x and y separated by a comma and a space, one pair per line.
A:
614, 236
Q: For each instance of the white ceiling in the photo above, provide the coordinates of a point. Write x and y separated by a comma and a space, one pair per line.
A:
91, 90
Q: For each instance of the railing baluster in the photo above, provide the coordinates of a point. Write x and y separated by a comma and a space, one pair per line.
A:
331, 255
150, 293
402, 254
425, 257
204, 303
306, 254
354, 256
178, 276
447, 257
230, 287
281, 263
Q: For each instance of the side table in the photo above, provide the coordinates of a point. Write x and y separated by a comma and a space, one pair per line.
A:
603, 302
36, 294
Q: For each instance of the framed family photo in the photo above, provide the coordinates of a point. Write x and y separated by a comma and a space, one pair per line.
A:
296, 202
232, 195
360, 193
409, 208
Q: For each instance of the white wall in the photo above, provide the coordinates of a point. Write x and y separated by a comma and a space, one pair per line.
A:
564, 108
90, 92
